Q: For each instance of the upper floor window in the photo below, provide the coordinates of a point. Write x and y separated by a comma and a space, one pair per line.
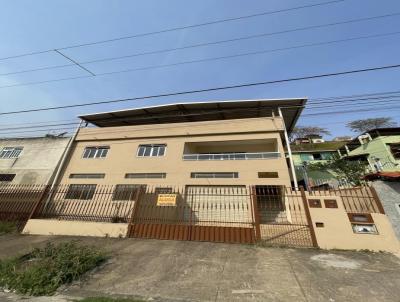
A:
96, 152
10, 152
151, 150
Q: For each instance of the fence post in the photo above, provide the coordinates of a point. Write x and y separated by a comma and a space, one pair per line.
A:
308, 216
377, 200
256, 215
40, 199
134, 209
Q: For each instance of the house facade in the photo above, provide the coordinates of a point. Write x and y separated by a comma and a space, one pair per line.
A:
30, 160
306, 155
198, 144
378, 148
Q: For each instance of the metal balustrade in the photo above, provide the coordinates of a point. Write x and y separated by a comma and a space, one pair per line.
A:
232, 156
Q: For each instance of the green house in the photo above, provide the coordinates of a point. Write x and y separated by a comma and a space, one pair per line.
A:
305, 155
379, 148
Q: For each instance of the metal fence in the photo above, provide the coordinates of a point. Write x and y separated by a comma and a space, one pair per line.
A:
277, 215
362, 199
99, 203
17, 202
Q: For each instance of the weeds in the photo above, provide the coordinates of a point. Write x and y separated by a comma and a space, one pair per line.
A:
42, 271
7, 227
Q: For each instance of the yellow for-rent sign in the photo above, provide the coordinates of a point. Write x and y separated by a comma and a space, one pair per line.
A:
166, 200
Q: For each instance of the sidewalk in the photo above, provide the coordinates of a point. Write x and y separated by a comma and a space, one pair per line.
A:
195, 271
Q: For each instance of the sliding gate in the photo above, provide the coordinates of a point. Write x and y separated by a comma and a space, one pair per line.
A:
200, 213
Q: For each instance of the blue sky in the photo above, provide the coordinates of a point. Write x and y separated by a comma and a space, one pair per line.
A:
27, 26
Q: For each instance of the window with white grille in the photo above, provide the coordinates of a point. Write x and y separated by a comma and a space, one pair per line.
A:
96, 152
11, 152
151, 150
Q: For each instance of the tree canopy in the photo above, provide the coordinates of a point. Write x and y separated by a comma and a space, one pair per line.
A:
365, 125
352, 172
304, 131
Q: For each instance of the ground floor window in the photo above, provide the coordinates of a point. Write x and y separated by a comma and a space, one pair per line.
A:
125, 192
7, 177
83, 192
214, 175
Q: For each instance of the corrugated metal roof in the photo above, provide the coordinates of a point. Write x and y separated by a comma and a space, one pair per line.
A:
199, 111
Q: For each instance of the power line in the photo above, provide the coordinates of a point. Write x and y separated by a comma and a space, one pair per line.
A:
180, 116
352, 111
353, 102
175, 29
75, 62
383, 95
355, 95
39, 126
324, 75
191, 61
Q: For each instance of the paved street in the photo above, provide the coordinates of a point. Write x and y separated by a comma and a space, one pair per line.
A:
193, 271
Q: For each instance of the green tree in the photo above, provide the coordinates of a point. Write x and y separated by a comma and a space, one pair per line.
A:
352, 172
365, 125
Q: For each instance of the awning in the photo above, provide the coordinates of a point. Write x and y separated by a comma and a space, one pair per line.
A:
200, 111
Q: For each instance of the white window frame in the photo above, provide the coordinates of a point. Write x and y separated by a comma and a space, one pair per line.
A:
11, 152
99, 149
152, 149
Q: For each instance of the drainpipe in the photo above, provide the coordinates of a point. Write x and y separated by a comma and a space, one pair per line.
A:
63, 159
296, 187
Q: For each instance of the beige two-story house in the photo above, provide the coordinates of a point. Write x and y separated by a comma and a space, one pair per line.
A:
227, 143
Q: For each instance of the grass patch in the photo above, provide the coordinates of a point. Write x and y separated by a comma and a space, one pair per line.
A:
43, 270
103, 299
7, 227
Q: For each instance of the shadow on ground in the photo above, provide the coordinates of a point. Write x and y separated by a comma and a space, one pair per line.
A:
196, 271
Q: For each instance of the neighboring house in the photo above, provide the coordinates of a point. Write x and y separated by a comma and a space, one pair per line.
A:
379, 148
30, 160
305, 155
309, 139
215, 144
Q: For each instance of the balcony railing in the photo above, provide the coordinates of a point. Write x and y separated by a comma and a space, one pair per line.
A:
231, 156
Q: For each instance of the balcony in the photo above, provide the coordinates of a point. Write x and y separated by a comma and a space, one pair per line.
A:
231, 150
232, 156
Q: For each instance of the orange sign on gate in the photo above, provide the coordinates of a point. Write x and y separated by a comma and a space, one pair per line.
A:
166, 200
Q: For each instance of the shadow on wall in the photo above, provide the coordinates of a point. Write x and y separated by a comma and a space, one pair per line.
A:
29, 178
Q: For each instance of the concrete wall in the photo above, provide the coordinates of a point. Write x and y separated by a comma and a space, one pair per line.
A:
37, 161
337, 232
389, 194
75, 228
124, 142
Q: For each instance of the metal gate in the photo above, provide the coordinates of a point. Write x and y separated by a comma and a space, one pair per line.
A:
282, 217
200, 213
